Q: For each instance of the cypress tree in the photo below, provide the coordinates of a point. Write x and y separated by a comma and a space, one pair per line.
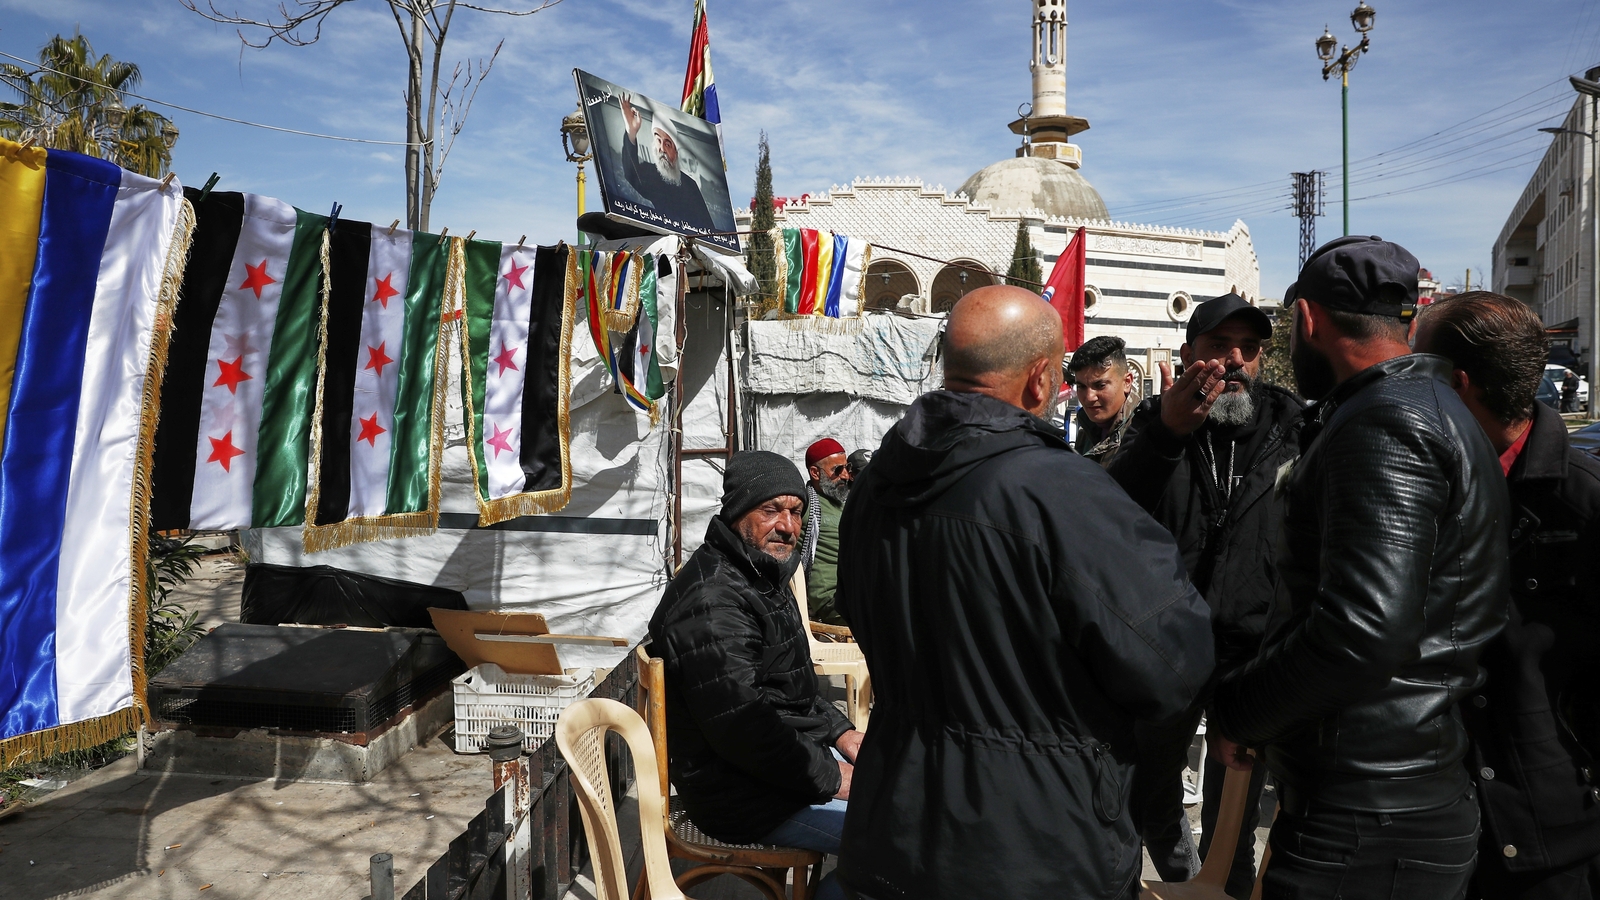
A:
1024, 261
759, 248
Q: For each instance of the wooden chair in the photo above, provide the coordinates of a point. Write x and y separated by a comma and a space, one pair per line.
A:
1212, 881
764, 866
839, 655
581, 737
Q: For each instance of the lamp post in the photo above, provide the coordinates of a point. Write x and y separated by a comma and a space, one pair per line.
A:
1589, 86
575, 140
1361, 18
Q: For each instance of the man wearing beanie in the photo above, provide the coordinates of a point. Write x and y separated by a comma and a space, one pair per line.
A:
1393, 578
819, 550
757, 755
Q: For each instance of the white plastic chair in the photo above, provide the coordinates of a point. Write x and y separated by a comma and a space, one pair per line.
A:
841, 657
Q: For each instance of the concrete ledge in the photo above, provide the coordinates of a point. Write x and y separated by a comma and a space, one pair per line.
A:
264, 753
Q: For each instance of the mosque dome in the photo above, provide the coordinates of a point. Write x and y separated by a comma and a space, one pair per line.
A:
1029, 182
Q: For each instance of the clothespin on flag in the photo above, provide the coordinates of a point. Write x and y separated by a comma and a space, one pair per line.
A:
210, 183
333, 216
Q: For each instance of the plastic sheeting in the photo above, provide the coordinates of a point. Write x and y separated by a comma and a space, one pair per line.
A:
323, 595
881, 357
598, 566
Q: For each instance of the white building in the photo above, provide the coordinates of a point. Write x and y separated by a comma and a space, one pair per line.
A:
1544, 253
1143, 280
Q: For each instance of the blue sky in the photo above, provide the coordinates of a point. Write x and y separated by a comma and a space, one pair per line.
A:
1222, 98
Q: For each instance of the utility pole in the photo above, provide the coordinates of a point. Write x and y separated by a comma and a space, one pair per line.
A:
1308, 204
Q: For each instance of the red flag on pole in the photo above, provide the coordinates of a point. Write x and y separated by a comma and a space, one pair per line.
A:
1064, 290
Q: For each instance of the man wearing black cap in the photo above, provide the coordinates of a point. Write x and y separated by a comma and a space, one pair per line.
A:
1204, 465
1393, 578
757, 755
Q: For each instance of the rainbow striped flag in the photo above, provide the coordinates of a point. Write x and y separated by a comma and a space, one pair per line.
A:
699, 85
603, 277
90, 261
821, 272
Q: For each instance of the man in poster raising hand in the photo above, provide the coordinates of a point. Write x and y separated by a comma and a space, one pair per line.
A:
673, 194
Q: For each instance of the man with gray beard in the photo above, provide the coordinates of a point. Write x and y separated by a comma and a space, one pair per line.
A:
673, 193
830, 473
1204, 464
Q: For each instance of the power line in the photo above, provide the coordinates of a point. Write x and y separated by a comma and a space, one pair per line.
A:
210, 115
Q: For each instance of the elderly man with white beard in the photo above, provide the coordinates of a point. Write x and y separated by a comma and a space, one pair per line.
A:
1204, 464
673, 194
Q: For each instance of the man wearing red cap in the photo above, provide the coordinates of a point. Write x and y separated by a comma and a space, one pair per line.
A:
830, 482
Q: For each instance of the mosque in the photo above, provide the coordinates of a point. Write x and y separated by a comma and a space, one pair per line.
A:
1143, 281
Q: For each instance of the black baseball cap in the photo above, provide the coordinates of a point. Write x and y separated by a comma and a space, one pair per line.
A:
1362, 274
1213, 312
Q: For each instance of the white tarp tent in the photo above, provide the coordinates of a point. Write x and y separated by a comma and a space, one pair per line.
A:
599, 565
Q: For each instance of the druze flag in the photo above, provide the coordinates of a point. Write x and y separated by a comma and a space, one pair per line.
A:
378, 432
820, 272
90, 257
516, 347
604, 278
240, 386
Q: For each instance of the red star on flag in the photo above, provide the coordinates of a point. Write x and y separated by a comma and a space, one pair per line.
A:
507, 359
514, 277
644, 353
370, 429
384, 290
257, 278
231, 373
223, 451
377, 359
498, 441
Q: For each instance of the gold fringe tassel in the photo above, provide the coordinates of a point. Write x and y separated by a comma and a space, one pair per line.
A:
861, 283
363, 529
780, 263
622, 320
823, 324
90, 732
314, 488
534, 503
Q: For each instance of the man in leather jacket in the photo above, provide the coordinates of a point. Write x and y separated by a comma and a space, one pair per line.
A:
1010, 657
1393, 580
1535, 725
756, 753
1206, 472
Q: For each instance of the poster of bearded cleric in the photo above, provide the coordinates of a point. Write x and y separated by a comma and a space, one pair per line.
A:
660, 168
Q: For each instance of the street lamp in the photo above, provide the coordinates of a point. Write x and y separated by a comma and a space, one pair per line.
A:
575, 141
169, 135
1361, 18
1589, 86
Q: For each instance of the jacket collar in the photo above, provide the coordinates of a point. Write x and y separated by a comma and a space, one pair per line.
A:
765, 573
1425, 364
1545, 454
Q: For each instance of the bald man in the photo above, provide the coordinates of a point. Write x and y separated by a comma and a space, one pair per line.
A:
1010, 658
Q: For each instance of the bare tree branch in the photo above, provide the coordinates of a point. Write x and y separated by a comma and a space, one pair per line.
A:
455, 111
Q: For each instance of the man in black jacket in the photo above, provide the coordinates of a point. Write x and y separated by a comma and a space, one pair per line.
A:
1205, 468
1010, 657
1393, 579
1535, 726
751, 744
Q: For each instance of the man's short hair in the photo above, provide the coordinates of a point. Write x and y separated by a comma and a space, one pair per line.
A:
1098, 353
1499, 342
1367, 326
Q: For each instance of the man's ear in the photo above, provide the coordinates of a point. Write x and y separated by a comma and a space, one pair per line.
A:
1461, 383
1036, 388
1306, 326
1186, 354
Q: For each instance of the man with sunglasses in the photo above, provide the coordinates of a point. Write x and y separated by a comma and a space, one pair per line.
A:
830, 483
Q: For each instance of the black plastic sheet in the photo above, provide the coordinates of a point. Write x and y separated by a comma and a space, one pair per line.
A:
324, 595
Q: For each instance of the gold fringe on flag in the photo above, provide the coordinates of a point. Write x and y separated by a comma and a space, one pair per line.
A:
861, 284
780, 262
530, 503
91, 732
363, 529
622, 320
823, 324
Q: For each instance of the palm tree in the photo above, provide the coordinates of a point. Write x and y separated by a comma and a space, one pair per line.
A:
73, 101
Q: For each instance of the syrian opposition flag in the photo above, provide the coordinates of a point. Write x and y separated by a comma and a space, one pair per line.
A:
516, 386
379, 427
1064, 290
240, 386
699, 86
90, 257
821, 273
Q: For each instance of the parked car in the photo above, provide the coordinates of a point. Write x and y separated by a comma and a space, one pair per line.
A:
1549, 394
1587, 438
1557, 372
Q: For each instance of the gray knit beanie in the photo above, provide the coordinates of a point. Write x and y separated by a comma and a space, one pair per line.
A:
754, 477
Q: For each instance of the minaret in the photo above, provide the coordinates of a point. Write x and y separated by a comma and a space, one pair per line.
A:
1048, 126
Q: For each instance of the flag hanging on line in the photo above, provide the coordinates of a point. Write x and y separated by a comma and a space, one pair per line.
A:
821, 273
602, 277
516, 338
699, 86
378, 432
90, 257
636, 363
240, 385
1064, 289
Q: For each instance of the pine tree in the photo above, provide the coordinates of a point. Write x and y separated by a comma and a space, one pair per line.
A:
760, 246
1025, 270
